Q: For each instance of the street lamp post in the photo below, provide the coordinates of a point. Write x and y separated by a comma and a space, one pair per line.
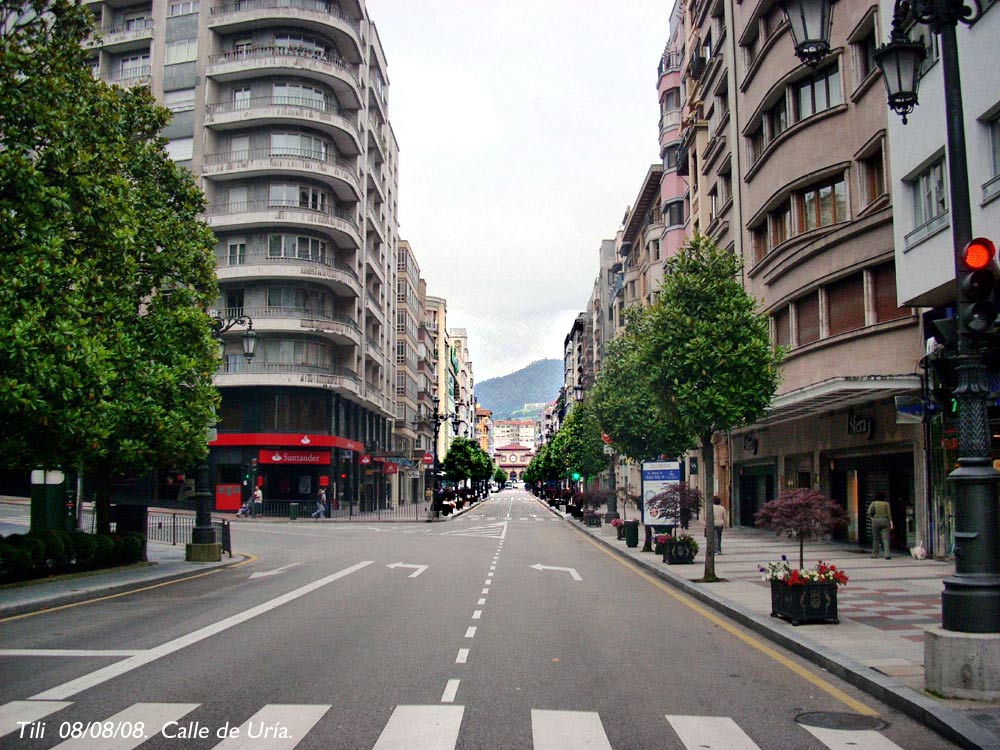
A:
435, 419
970, 602
203, 547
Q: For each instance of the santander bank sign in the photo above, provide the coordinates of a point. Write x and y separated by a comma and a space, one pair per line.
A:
281, 456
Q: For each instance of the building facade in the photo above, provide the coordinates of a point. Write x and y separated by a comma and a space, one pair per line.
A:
281, 112
513, 459
514, 432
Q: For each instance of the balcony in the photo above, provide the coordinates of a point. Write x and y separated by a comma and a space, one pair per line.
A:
339, 174
262, 266
124, 37
140, 75
336, 327
284, 60
670, 62
237, 371
670, 120
316, 15
373, 350
336, 223
340, 124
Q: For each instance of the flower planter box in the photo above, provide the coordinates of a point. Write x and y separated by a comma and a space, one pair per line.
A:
677, 553
592, 521
812, 602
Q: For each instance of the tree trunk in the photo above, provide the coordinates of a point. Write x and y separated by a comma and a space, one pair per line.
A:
802, 552
102, 504
708, 466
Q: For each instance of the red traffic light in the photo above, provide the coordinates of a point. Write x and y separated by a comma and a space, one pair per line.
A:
978, 254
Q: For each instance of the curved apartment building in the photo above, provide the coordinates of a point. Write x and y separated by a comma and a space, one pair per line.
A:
280, 109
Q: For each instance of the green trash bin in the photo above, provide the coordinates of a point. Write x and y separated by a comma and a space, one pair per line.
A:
631, 533
293, 511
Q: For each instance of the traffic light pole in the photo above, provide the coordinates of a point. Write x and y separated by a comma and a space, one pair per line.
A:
970, 602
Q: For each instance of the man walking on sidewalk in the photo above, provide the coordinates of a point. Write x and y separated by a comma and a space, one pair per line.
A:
881, 515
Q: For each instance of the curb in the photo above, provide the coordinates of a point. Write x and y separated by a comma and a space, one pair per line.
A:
75, 597
947, 722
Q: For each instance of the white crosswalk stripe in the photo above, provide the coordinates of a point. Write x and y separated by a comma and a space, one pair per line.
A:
711, 733
26, 711
556, 730
490, 531
421, 728
410, 727
152, 716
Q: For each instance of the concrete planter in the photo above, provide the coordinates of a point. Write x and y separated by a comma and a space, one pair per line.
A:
812, 602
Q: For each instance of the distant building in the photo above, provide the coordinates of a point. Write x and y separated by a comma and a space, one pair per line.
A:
514, 459
514, 432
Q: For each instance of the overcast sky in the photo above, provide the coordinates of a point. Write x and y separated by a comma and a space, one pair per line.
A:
525, 129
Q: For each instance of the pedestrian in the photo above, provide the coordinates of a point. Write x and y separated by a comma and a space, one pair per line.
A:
320, 511
881, 515
720, 517
258, 501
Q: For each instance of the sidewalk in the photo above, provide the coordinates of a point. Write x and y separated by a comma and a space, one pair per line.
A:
878, 646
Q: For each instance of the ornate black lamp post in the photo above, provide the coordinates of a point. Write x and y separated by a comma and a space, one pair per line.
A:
202, 547
970, 602
435, 419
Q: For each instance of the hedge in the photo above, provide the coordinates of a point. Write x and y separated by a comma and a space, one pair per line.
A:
40, 554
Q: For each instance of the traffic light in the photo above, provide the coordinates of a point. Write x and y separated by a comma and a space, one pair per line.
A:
977, 308
576, 476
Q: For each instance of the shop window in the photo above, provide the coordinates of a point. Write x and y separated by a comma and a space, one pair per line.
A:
845, 303
807, 318
884, 281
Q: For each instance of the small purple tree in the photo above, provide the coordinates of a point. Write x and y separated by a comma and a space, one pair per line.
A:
679, 501
802, 514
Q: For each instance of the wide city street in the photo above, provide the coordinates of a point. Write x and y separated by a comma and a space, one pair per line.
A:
503, 628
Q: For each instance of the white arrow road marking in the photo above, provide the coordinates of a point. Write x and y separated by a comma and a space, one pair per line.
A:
417, 569
274, 572
571, 571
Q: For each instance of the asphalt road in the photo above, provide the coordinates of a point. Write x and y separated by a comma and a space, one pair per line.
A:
518, 633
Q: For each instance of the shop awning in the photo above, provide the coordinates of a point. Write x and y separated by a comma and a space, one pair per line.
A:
833, 394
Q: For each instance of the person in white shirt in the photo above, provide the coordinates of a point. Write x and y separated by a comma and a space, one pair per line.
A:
721, 519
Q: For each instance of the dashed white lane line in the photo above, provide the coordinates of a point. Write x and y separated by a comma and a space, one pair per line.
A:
450, 690
486, 591
470, 632
463, 656
481, 601
477, 614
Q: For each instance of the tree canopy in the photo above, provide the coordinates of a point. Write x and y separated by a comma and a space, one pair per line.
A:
579, 439
106, 352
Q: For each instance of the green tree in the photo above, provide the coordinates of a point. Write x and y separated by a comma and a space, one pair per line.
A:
460, 463
708, 352
106, 353
500, 476
580, 440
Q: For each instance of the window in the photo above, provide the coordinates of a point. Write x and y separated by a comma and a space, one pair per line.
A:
994, 130
236, 251
872, 177
241, 98
134, 66
179, 101
234, 303
303, 45
292, 246
295, 298
758, 236
807, 318
777, 118
673, 214
238, 196
298, 144
181, 149
136, 21
671, 101
782, 327
183, 51
930, 40
183, 8
299, 95
930, 198
823, 205
845, 303
819, 92
864, 51
780, 220
239, 147
756, 143
296, 353
884, 281
671, 156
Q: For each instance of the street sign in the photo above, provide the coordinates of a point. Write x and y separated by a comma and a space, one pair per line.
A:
428, 458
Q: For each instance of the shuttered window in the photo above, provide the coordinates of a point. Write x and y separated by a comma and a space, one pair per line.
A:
884, 279
845, 301
782, 327
807, 315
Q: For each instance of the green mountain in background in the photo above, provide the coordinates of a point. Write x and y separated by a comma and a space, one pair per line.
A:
507, 395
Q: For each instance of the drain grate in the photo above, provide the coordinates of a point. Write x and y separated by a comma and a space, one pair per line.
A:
835, 720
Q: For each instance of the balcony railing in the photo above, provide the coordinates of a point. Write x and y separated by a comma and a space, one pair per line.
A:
258, 53
128, 75
315, 5
226, 209
300, 313
131, 29
319, 105
238, 365
225, 258
326, 157
670, 62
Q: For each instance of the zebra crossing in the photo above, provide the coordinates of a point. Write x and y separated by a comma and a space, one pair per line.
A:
409, 727
532, 517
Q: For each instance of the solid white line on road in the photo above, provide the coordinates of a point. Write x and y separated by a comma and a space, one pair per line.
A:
557, 730
463, 656
711, 732
841, 739
66, 652
296, 720
481, 601
477, 614
26, 711
421, 728
450, 691
152, 715
470, 632
71, 688
491, 518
